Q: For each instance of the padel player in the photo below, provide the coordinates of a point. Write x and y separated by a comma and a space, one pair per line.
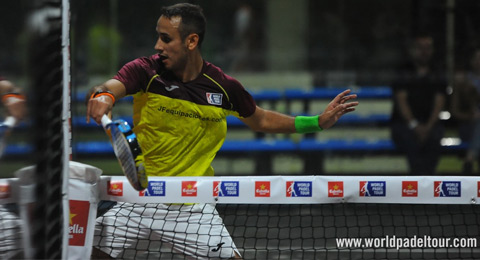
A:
12, 99
179, 110
15, 105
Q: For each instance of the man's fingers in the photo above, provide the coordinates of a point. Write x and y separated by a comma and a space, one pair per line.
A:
349, 97
351, 104
346, 105
95, 110
339, 97
348, 110
345, 108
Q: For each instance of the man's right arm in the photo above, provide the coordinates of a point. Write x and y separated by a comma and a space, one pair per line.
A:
401, 97
13, 99
99, 104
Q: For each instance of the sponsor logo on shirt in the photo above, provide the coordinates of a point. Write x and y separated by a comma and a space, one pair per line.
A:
214, 98
335, 189
172, 87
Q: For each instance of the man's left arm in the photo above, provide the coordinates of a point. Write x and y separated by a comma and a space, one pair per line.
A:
269, 121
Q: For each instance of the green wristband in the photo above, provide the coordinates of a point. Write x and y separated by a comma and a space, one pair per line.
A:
307, 124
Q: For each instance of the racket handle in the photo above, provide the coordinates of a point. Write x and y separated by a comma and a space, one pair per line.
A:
106, 121
10, 121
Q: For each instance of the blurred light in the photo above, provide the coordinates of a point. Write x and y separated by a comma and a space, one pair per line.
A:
449, 90
444, 115
449, 141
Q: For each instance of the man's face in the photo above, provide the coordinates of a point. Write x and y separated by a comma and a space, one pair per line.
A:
423, 50
170, 46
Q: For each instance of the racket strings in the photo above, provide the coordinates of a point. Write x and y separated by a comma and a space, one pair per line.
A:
124, 153
128, 152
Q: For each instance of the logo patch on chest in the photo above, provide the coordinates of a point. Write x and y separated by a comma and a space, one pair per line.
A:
172, 87
214, 98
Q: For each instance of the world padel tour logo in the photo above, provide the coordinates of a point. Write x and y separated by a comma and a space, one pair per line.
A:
372, 189
262, 189
335, 189
189, 188
447, 189
225, 188
155, 188
4, 191
115, 188
214, 98
409, 188
77, 230
299, 188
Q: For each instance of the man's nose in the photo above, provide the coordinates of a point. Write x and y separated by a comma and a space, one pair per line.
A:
159, 46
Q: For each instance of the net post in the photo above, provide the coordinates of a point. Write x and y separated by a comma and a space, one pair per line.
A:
46, 69
66, 124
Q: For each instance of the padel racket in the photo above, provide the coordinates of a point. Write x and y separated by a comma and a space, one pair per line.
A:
5, 128
127, 150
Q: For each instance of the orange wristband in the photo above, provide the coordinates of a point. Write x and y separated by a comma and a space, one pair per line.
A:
103, 93
12, 95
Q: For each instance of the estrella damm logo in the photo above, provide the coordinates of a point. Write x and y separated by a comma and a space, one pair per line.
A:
189, 188
115, 188
154, 189
335, 189
447, 189
372, 189
4, 191
299, 188
77, 230
225, 188
262, 189
409, 188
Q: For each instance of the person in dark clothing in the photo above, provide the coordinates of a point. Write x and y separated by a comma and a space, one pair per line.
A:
419, 96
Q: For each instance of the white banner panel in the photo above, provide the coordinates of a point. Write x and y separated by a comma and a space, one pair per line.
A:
296, 189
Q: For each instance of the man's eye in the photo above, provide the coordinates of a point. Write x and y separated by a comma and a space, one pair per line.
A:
165, 39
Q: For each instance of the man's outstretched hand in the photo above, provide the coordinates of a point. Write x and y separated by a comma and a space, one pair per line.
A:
338, 107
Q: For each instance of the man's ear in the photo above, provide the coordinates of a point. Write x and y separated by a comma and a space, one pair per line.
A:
192, 41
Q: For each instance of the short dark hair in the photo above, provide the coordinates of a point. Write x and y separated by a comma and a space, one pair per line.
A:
193, 20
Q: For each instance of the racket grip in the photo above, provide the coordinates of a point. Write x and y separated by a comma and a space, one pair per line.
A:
10, 121
106, 121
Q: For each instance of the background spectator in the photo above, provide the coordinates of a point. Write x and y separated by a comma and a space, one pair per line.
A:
419, 96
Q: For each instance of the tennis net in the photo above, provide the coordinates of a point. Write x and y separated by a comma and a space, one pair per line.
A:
301, 217
274, 217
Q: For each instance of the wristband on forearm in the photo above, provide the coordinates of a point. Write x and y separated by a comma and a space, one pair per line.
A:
103, 93
307, 124
7, 96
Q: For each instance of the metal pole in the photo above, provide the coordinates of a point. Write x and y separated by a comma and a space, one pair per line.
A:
450, 40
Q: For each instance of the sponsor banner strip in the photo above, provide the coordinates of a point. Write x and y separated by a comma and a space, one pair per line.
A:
283, 189
296, 189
